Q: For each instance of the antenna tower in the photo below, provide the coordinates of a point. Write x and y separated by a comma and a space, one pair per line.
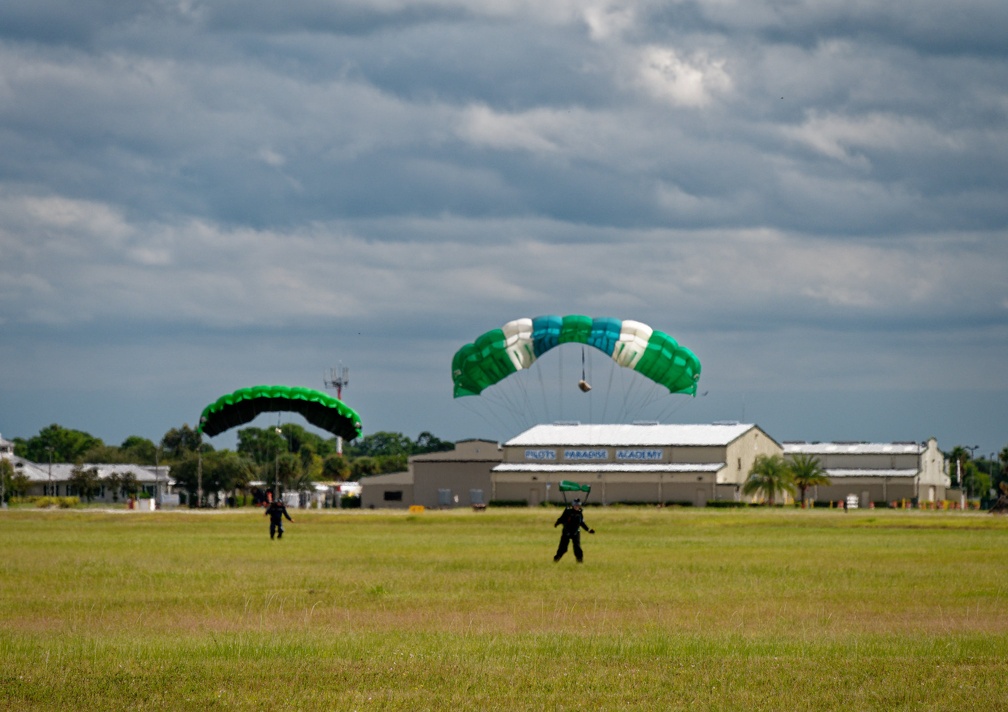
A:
338, 378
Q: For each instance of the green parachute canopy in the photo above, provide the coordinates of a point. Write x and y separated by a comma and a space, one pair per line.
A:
318, 408
568, 486
498, 353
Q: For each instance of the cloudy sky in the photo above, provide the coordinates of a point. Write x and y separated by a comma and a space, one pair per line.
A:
812, 195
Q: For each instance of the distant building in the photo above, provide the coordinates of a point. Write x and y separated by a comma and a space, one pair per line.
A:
453, 478
54, 480
877, 472
639, 463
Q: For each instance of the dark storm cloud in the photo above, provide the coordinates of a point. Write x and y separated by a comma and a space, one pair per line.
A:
194, 196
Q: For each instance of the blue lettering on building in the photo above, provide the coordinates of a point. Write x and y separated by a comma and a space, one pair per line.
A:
586, 454
641, 455
540, 454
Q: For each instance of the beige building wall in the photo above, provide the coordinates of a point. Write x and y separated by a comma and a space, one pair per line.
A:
390, 491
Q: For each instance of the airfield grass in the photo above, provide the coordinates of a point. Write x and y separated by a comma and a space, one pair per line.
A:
673, 609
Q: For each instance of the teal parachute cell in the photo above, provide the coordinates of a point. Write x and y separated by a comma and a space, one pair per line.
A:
515, 346
318, 408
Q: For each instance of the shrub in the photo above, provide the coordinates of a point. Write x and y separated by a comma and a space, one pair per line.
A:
46, 502
350, 501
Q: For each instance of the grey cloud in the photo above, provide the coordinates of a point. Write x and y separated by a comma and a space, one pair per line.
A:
810, 194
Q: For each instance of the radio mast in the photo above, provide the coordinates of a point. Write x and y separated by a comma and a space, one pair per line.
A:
338, 378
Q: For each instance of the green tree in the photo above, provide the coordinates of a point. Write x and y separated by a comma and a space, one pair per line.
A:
179, 443
769, 475
139, 451
122, 483
227, 471
806, 471
104, 454
20, 485
84, 481
426, 442
391, 463
381, 443
64, 444
286, 467
222, 471
976, 482
1001, 468
261, 445
335, 468
362, 467
6, 479
186, 473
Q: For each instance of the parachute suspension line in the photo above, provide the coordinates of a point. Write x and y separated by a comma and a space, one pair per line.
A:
560, 380
504, 425
500, 401
673, 408
612, 374
542, 392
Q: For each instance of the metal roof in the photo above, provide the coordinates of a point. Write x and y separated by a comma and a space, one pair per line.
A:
863, 472
621, 435
389, 478
535, 467
845, 448
61, 471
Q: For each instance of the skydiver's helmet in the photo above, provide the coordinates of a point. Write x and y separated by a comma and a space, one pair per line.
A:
576, 503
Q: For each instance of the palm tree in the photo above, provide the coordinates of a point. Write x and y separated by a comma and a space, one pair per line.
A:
769, 475
806, 472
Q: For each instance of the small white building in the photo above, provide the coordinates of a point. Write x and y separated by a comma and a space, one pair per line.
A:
54, 480
877, 472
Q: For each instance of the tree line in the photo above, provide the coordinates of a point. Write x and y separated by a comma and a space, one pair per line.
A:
287, 454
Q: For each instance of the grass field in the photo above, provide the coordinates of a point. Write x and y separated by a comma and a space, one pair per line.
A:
673, 609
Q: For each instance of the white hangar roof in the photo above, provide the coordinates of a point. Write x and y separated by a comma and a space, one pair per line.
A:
852, 448
620, 435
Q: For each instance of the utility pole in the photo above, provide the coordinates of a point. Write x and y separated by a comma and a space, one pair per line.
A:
49, 490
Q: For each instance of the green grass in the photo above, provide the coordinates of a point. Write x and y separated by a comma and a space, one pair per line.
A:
673, 609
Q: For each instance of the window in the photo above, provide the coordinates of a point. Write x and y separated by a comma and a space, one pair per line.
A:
393, 495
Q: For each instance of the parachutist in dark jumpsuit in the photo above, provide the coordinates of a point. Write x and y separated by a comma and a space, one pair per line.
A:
277, 511
572, 520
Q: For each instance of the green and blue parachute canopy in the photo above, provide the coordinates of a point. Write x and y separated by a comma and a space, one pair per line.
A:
498, 353
318, 408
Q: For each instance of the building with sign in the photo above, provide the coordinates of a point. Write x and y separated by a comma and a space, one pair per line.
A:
639, 463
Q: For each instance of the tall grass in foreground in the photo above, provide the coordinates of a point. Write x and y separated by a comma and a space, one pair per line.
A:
673, 609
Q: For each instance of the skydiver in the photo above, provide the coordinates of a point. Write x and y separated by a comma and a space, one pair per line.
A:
573, 522
277, 511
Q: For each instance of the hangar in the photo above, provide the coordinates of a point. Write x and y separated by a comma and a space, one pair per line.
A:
635, 463
877, 472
